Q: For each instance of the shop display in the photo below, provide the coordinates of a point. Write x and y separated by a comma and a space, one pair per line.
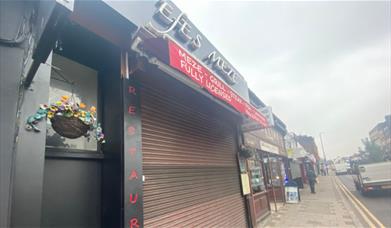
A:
257, 179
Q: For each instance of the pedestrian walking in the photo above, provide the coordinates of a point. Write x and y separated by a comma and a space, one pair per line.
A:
312, 179
323, 171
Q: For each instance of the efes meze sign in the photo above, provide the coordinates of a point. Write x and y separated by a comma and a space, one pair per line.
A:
180, 23
165, 18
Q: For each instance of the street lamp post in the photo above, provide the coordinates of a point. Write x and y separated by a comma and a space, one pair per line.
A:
324, 154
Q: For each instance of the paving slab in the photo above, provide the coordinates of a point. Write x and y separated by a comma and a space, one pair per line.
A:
326, 208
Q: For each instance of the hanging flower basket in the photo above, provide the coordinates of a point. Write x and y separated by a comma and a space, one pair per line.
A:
69, 127
246, 152
68, 119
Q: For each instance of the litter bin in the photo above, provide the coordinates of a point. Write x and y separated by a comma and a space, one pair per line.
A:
292, 192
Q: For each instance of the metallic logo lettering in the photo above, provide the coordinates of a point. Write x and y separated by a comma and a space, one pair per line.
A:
180, 23
220, 64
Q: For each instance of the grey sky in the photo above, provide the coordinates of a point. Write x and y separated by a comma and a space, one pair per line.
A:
322, 66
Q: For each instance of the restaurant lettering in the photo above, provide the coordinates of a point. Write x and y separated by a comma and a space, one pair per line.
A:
133, 177
182, 61
182, 28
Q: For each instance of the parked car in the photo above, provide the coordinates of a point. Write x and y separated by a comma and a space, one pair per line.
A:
373, 177
341, 168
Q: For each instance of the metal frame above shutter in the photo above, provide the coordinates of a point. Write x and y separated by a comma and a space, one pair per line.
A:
189, 161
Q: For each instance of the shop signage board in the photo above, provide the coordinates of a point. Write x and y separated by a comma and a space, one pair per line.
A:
185, 63
245, 184
250, 125
265, 146
289, 152
291, 194
298, 153
165, 18
190, 52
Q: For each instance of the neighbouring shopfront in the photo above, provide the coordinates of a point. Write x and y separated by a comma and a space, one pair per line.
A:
268, 166
296, 154
297, 176
259, 200
170, 107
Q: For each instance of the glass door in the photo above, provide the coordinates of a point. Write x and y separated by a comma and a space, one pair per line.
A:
259, 200
256, 176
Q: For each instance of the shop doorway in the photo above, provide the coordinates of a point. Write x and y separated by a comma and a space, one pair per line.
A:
275, 173
258, 200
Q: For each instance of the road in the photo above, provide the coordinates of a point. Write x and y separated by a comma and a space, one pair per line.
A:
379, 204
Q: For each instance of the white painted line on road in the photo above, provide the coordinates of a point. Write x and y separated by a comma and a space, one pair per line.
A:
360, 204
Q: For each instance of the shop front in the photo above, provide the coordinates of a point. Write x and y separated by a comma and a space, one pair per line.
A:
189, 157
268, 169
170, 107
258, 199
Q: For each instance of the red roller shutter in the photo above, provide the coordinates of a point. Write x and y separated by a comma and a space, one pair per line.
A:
189, 162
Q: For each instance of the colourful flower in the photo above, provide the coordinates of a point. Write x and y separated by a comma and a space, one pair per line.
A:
75, 107
92, 109
53, 108
64, 98
43, 106
68, 107
50, 114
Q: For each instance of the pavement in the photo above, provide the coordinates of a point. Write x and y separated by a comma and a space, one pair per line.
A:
329, 207
378, 203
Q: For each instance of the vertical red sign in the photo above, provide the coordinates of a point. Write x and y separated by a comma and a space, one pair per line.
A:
133, 185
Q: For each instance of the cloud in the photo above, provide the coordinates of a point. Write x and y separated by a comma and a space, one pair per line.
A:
345, 99
322, 66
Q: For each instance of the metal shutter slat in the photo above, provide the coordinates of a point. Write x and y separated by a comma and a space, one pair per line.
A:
189, 162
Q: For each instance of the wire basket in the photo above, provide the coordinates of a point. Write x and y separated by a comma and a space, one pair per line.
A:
69, 127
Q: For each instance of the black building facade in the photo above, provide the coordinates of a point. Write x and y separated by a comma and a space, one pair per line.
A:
170, 105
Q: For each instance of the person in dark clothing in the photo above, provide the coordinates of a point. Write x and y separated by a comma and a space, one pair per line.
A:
312, 179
